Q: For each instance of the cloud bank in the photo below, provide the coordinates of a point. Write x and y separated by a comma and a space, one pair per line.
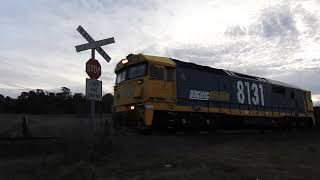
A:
278, 40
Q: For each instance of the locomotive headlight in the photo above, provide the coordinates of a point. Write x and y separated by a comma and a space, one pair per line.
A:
140, 81
132, 107
124, 61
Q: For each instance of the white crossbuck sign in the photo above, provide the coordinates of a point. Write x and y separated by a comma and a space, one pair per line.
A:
94, 44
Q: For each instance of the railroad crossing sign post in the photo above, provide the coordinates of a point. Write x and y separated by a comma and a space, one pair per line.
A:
93, 67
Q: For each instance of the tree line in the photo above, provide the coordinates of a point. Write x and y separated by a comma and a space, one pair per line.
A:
45, 102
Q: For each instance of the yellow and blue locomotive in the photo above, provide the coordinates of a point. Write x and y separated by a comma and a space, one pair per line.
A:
159, 92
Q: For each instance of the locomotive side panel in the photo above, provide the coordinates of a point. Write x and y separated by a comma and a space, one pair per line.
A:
287, 99
216, 89
193, 86
198, 86
250, 94
300, 105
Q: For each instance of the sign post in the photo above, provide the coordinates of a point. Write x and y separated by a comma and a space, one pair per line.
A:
93, 93
93, 67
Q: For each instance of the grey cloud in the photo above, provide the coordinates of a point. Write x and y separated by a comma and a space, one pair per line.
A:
275, 69
44, 36
212, 55
11, 92
267, 50
235, 31
277, 21
274, 34
310, 20
308, 79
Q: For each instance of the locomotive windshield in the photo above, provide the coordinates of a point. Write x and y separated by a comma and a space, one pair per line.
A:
132, 72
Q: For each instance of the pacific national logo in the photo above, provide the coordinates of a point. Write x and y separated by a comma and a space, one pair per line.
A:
209, 95
199, 95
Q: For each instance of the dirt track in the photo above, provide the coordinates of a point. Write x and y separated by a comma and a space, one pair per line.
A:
276, 155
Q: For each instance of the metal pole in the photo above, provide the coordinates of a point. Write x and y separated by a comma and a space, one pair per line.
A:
92, 103
93, 54
92, 110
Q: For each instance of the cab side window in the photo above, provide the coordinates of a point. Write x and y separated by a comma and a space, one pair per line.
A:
156, 72
121, 76
309, 97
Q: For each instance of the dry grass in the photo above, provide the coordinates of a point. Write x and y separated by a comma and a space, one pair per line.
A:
276, 155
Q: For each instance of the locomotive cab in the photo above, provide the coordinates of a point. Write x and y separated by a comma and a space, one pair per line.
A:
143, 84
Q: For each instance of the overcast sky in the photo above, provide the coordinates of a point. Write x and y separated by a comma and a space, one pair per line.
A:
274, 39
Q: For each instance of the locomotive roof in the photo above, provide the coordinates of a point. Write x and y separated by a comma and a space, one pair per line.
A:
279, 83
172, 62
138, 58
159, 60
232, 73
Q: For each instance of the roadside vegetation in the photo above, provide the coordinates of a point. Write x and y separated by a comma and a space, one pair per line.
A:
45, 102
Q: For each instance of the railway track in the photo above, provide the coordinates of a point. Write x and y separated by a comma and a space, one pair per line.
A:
171, 131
